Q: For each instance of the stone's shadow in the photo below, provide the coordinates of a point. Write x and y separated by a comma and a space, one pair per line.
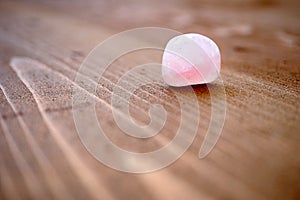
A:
200, 89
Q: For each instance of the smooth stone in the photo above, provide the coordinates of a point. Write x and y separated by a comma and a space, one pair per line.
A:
190, 59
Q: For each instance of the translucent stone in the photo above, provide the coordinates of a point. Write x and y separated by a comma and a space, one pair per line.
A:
190, 59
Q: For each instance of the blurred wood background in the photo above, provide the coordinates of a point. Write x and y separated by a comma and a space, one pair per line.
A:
257, 155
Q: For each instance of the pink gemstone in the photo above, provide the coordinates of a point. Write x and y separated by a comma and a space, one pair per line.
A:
190, 59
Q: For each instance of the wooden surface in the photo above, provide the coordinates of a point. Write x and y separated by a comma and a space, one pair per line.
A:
257, 155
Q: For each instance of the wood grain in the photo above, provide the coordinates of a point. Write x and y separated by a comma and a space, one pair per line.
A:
256, 156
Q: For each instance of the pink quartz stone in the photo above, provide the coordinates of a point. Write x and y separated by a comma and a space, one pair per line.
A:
190, 59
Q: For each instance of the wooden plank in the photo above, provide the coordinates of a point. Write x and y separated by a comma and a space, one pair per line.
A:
256, 155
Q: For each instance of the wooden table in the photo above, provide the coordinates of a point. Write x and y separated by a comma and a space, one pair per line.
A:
257, 155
